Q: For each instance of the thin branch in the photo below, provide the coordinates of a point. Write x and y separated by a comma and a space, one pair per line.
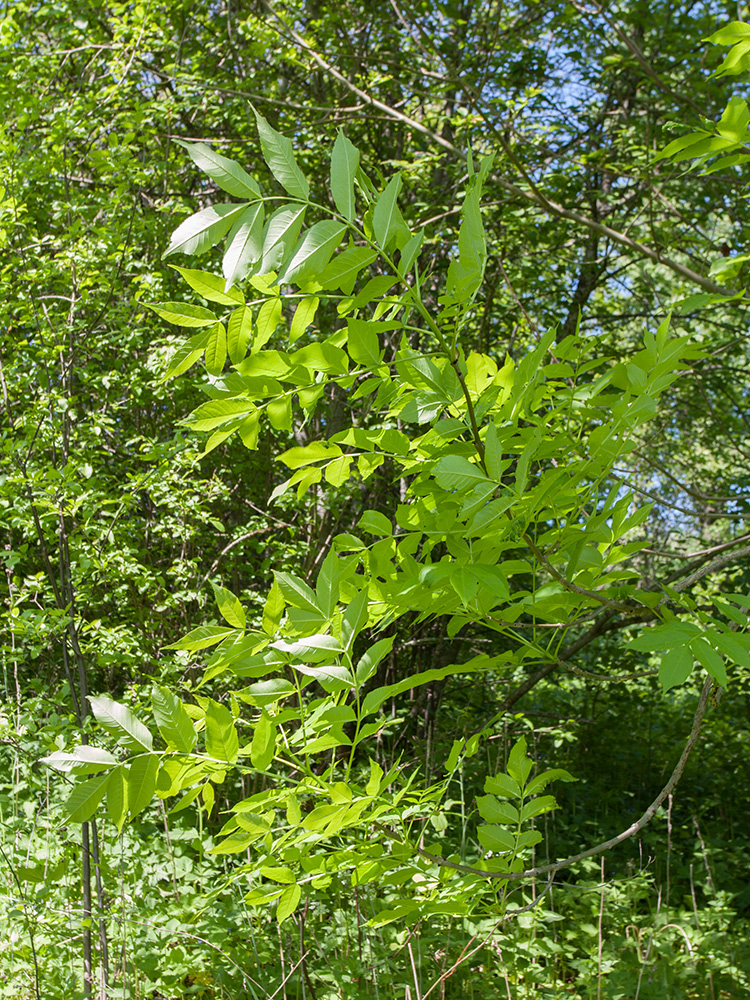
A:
710, 567
607, 845
532, 194
228, 548
697, 555
573, 588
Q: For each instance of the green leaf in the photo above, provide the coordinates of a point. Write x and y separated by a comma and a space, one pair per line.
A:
316, 451
736, 61
304, 315
267, 692
216, 350
280, 234
735, 31
228, 175
218, 413
375, 699
210, 287
463, 581
185, 357
229, 607
385, 216
376, 776
202, 637
665, 636
279, 155
203, 230
222, 741
456, 473
280, 413
311, 648
410, 252
675, 667
313, 251
263, 747
529, 839
141, 782
375, 289
293, 811
541, 781
235, 843
343, 270
354, 618
183, 314
503, 785
710, 660
538, 806
278, 874
43, 874
249, 430
321, 357
703, 147
288, 902
375, 523
296, 592
82, 802
742, 599
174, 723
117, 797
735, 120
519, 764
495, 811
83, 759
262, 894
496, 839
121, 723
368, 662
344, 165
186, 800
244, 245
269, 317
239, 332
731, 647
363, 344
327, 588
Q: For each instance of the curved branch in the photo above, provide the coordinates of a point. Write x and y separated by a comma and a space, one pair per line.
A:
607, 845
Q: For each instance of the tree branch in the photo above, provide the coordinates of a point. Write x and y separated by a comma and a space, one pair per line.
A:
532, 194
607, 845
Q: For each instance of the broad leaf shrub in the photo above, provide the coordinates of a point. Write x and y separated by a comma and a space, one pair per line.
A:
512, 517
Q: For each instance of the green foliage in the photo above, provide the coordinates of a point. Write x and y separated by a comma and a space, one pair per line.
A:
482, 482
413, 508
